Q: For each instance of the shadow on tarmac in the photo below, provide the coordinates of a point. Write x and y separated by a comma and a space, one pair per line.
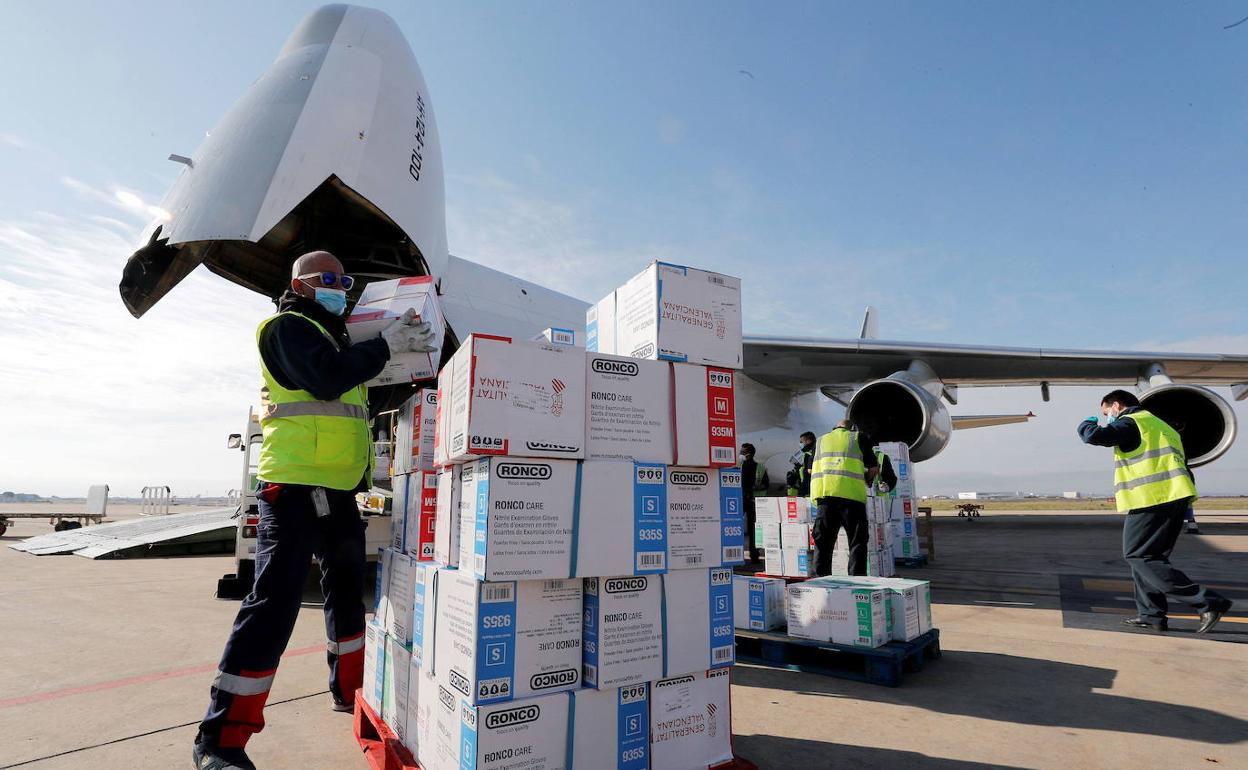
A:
769, 751
1011, 688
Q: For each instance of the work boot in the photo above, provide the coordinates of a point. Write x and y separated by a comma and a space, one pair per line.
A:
1140, 624
1210, 617
208, 758
346, 708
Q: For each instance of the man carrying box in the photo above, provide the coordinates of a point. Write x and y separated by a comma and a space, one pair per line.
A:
844, 465
316, 453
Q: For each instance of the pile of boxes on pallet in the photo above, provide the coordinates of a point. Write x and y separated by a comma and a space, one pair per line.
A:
575, 607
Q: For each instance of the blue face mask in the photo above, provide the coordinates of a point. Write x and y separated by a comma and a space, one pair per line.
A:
333, 300
1110, 418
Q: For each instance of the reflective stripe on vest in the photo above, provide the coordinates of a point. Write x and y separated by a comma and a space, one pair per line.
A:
1155, 472
838, 470
309, 441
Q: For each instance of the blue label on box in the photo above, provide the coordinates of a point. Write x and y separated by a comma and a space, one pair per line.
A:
731, 517
418, 614
632, 734
758, 605
467, 737
496, 641
481, 508
589, 633
649, 518
722, 640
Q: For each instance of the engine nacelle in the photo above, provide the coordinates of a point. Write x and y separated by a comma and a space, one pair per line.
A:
899, 408
1204, 419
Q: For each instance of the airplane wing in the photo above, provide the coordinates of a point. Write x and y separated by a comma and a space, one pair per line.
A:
812, 363
897, 387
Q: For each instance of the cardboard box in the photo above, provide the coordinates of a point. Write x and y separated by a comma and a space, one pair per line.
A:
698, 624
413, 514
621, 512
557, 336
530, 733
789, 562
431, 699
628, 409
910, 605
374, 664
796, 536
704, 404
705, 520
424, 612
447, 515
503, 397
757, 602
829, 609
767, 535
500, 641
399, 594
623, 630
416, 729
516, 518
611, 728
794, 510
415, 428
672, 313
394, 702
691, 721
383, 302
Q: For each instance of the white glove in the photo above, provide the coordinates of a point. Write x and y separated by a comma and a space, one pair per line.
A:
409, 334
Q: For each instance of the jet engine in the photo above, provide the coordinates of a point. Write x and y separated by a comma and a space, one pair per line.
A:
1203, 419
901, 407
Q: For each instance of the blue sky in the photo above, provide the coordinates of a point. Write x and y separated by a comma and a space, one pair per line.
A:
1027, 174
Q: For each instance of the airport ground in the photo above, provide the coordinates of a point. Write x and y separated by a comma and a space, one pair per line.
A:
106, 664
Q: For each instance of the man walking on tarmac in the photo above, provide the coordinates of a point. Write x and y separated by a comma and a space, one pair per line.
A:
1154, 488
844, 465
316, 453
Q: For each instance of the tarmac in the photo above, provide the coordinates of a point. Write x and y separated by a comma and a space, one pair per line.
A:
106, 664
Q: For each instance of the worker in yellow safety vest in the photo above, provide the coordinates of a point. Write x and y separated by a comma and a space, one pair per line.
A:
844, 465
1153, 487
317, 452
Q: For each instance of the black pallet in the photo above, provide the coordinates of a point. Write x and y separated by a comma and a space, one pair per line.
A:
881, 665
911, 561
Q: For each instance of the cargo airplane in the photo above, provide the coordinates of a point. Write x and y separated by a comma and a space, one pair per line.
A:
336, 147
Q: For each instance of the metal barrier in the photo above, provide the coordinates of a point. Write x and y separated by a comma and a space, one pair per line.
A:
156, 501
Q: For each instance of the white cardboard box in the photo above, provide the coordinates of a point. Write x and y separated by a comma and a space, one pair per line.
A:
623, 630
416, 728
757, 602
379, 305
612, 728
698, 625
621, 512
910, 604
399, 595
394, 702
628, 409
381, 606
424, 611
705, 517
499, 641
784, 509
447, 516
691, 721
516, 519
673, 313
374, 664
767, 535
796, 536
557, 336
830, 610
704, 402
530, 733
499, 396
431, 699
789, 562
414, 432
413, 514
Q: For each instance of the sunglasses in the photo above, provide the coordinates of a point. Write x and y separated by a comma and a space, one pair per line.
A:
331, 280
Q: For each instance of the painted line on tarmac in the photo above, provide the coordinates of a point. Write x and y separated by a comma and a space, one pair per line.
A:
158, 730
40, 697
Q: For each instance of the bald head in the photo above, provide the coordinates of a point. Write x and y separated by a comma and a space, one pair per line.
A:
312, 265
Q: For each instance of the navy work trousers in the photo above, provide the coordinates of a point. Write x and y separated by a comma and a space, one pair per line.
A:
289, 534
832, 514
1148, 538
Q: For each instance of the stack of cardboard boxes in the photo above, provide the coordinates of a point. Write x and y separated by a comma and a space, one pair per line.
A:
576, 606
900, 507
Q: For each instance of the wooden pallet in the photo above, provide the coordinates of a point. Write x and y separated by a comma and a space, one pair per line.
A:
382, 748
383, 751
881, 665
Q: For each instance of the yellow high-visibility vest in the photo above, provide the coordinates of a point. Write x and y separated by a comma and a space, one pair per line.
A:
309, 441
838, 470
1155, 472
